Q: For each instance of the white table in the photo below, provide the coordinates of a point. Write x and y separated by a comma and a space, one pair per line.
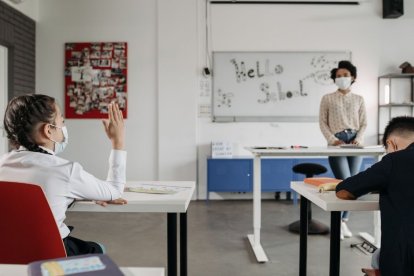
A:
21, 270
254, 238
330, 203
156, 203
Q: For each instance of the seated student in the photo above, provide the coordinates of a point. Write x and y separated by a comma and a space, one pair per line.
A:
393, 178
35, 126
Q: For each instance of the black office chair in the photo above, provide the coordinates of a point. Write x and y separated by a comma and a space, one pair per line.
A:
314, 227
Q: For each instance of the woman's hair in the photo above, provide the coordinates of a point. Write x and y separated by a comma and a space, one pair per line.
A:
23, 116
344, 64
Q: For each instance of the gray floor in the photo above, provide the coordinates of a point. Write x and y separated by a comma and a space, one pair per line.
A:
217, 242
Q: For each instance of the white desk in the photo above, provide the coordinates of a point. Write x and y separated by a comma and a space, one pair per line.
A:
21, 270
156, 203
254, 238
330, 203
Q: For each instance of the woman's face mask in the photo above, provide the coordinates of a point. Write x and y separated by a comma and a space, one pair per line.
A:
60, 146
343, 83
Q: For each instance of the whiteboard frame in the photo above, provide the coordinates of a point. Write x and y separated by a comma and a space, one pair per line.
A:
233, 119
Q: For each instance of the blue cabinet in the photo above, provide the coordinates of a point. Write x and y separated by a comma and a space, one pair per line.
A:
236, 174
276, 174
229, 175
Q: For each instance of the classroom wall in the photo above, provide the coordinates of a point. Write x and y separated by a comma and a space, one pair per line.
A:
161, 122
378, 47
166, 136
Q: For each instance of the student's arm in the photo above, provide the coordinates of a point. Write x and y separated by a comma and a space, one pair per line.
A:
84, 185
373, 179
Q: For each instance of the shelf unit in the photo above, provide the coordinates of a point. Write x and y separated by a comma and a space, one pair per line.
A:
395, 98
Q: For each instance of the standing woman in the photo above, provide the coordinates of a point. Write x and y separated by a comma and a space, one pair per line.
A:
342, 119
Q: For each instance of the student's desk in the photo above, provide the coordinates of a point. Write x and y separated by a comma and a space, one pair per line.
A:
21, 270
330, 203
156, 203
258, 153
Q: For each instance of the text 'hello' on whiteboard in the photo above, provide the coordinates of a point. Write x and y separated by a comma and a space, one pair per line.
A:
271, 86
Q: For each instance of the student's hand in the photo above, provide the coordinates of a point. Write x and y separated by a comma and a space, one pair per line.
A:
114, 126
119, 201
370, 272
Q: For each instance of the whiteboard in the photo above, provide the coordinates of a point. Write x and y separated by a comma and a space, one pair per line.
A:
271, 86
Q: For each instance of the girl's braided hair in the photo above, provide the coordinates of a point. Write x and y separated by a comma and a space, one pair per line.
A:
22, 117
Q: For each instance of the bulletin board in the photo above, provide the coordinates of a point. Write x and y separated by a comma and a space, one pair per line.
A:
271, 86
95, 75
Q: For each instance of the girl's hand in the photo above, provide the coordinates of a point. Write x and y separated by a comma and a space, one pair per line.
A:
114, 126
119, 201
338, 142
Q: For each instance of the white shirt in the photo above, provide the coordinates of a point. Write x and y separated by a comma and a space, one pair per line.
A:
63, 181
342, 111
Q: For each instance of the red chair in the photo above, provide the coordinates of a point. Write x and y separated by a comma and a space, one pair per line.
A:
28, 230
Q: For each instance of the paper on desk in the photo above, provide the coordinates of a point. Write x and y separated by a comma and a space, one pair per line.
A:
354, 146
351, 146
155, 189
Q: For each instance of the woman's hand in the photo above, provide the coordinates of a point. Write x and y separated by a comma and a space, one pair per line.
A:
355, 142
119, 201
338, 142
114, 126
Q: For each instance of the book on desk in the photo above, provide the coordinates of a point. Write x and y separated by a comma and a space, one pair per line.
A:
323, 184
87, 265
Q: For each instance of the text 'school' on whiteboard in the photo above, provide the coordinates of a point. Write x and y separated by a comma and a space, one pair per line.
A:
271, 86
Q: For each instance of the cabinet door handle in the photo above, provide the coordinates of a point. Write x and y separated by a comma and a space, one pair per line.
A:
248, 174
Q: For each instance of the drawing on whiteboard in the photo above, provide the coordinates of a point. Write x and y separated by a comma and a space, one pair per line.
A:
251, 85
280, 95
224, 99
324, 66
258, 72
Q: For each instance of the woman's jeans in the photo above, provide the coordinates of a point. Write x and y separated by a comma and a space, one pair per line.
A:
345, 166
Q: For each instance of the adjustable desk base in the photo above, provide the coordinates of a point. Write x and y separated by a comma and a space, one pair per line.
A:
258, 250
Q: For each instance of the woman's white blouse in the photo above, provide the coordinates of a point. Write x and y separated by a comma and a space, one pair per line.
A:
64, 181
342, 111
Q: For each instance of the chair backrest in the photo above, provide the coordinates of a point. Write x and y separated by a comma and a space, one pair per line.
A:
28, 230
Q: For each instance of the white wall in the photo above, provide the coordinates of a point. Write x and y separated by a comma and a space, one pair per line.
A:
161, 103
378, 47
166, 40
177, 89
29, 7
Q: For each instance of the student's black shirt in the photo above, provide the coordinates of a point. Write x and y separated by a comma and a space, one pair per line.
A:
393, 178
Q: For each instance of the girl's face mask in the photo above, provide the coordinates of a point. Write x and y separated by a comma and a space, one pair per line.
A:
60, 146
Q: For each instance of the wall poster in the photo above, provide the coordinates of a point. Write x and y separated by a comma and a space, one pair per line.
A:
95, 75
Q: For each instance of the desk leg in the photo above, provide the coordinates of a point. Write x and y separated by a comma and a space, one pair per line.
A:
335, 253
257, 201
183, 244
172, 243
303, 245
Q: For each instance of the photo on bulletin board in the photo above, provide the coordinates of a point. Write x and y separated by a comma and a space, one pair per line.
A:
95, 75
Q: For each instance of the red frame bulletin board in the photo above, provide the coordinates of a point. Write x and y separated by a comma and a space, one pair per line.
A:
95, 75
